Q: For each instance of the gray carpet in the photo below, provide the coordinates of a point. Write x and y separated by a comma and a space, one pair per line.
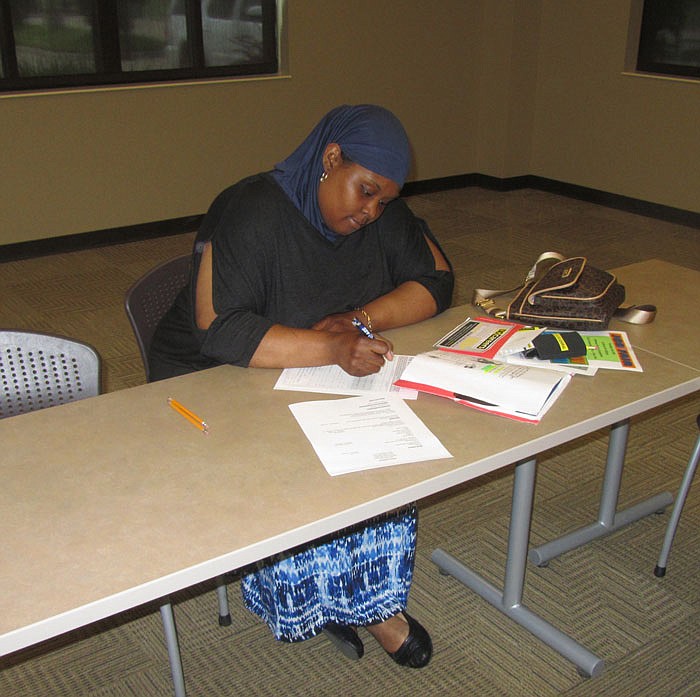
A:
605, 595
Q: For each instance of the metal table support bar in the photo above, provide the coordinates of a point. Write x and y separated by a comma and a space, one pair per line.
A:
609, 520
510, 600
170, 630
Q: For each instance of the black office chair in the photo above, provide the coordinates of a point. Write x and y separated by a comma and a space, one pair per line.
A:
42, 370
151, 297
660, 569
146, 302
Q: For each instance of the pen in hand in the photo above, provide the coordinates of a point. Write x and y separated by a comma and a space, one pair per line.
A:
361, 327
356, 322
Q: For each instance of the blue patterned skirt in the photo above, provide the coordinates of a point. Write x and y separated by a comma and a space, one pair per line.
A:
357, 577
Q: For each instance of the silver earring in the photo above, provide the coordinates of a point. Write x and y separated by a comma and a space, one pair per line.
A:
324, 176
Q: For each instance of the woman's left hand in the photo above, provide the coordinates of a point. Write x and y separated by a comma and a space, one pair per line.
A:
340, 322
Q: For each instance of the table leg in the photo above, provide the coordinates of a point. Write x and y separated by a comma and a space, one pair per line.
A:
609, 520
222, 597
166, 613
509, 601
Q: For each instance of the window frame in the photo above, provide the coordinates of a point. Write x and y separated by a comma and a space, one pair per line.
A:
647, 62
108, 72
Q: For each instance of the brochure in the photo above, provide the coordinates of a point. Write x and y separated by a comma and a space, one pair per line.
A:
484, 336
519, 392
612, 350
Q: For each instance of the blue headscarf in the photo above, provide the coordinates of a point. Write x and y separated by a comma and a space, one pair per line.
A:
369, 135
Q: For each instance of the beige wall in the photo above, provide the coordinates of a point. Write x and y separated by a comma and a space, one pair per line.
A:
598, 127
502, 88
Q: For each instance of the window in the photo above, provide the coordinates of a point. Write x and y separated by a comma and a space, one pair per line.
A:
669, 41
69, 43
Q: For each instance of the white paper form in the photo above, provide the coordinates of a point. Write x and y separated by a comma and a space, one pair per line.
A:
366, 432
332, 379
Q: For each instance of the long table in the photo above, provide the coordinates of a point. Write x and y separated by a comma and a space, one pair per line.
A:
103, 492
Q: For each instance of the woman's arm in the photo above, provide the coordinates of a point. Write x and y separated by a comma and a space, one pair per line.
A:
408, 303
411, 302
289, 347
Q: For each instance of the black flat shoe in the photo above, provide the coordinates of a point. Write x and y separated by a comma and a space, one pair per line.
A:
346, 640
417, 649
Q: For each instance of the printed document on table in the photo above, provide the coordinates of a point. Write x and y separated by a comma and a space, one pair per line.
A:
367, 432
332, 379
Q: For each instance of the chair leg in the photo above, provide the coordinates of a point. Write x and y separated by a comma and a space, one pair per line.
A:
166, 613
660, 569
222, 596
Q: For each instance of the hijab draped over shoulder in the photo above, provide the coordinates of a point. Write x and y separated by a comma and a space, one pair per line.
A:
369, 135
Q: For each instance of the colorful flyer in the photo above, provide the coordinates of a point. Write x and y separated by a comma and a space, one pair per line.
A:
483, 337
610, 349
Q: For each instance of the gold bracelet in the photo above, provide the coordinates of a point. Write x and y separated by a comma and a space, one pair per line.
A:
368, 319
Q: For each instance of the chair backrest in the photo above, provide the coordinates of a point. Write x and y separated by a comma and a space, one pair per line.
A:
41, 370
151, 297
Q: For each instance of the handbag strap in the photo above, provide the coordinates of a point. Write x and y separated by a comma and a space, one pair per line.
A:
484, 298
636, 314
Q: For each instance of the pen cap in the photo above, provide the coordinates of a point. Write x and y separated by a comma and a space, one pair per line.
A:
551, 345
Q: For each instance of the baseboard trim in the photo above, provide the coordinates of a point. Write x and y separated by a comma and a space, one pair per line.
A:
461, 181
552, 186
98, 238
177, 226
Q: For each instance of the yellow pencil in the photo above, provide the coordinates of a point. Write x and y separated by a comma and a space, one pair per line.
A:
190, 416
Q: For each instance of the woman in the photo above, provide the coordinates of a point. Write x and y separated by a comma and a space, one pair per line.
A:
282, 264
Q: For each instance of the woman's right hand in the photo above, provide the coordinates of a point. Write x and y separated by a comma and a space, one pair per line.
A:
359, 356
290, 347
